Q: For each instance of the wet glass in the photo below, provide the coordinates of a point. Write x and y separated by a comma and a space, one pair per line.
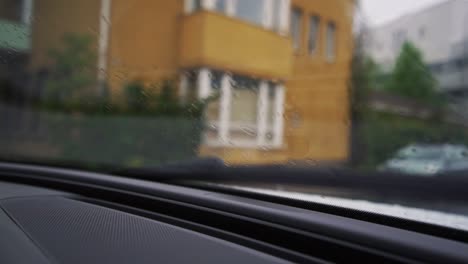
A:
319, 85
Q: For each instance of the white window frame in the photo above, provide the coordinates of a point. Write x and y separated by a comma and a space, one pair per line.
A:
224, 125
225, 109
103, 43
284, 18
268, 15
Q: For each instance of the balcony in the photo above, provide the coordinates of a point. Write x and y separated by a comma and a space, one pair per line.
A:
219, 41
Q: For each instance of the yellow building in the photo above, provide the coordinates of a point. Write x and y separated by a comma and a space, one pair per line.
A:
280, 67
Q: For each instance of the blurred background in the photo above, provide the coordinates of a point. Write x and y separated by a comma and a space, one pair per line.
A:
368, 85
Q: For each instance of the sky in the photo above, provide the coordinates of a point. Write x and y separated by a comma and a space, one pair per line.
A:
380, 11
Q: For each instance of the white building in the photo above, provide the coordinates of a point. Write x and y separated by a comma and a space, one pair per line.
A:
439, 31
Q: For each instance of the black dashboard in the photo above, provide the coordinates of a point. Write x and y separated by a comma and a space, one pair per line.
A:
50, 215
45, 226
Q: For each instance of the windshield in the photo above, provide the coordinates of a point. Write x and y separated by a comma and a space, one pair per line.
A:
368, 86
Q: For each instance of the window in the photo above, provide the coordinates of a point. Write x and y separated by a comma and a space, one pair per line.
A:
422, 32
244, 112
252, 11
272, 114
141, 84
271, 14
197, 4
296, 18
314, 25
221, 6
331, 41
399, 37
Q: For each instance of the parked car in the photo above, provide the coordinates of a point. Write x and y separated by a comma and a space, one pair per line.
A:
428, 160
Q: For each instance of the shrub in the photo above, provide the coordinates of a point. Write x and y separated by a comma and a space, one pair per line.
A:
73, 67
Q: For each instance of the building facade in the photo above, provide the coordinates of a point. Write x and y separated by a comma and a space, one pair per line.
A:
441, 34
280, 68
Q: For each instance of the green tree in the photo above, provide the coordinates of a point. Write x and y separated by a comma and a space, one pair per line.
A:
411, 78
73, 67
160, 99
375, 74
366, 76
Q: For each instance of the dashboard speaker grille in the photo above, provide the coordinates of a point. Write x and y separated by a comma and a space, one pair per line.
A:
71, 231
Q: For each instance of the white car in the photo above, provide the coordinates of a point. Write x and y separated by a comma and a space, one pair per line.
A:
428, 160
